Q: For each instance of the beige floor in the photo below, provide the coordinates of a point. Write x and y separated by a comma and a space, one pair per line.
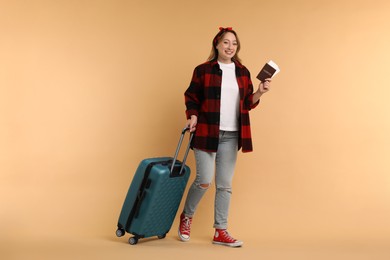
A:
111, 247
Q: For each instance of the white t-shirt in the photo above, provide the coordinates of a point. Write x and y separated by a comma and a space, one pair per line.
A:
230, 98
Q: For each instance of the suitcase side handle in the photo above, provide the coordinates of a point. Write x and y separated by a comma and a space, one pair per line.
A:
178, 149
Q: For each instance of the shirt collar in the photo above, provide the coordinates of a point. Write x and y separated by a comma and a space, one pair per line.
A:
215, 63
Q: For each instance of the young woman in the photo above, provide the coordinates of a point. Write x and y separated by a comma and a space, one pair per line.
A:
217, 102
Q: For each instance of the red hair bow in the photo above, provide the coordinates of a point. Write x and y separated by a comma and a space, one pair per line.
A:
225, 29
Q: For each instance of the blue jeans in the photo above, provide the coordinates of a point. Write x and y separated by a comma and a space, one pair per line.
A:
222, 164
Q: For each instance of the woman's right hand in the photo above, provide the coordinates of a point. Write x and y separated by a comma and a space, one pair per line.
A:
191, 123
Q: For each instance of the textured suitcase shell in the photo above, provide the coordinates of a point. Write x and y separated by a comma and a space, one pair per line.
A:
160, 203
154, 196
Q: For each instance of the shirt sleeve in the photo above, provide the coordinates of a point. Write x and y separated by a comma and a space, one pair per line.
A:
192, 95
249, 98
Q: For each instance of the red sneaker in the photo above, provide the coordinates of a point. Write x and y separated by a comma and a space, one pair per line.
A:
184, 227
222, 237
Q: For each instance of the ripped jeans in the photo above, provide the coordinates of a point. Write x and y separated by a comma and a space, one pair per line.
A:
222, 163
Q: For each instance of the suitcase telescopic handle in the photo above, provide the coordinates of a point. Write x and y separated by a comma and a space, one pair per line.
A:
178, 149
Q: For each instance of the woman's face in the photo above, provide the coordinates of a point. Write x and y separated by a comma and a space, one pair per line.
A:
227, 47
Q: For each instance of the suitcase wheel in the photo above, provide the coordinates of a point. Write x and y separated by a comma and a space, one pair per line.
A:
133, 240
162, 236
120, 232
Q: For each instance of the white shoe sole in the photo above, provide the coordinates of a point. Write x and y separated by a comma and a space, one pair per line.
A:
235, 244
182, 238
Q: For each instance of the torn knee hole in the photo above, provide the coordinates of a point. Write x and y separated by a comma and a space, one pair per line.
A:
229, 190
204, 185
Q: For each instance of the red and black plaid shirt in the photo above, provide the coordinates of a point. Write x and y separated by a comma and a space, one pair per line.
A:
203, 99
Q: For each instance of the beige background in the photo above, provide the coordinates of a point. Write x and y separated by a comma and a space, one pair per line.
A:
90, 88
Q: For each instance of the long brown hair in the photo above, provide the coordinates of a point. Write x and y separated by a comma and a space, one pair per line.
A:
214, 52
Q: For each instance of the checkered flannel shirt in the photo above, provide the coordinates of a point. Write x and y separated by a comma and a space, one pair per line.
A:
203, 99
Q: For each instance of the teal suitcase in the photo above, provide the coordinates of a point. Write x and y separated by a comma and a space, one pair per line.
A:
154, 196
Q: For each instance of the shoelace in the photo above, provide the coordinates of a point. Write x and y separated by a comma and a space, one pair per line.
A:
186, 224
226, 236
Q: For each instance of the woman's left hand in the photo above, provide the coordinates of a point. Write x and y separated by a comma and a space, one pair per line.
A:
264, 86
